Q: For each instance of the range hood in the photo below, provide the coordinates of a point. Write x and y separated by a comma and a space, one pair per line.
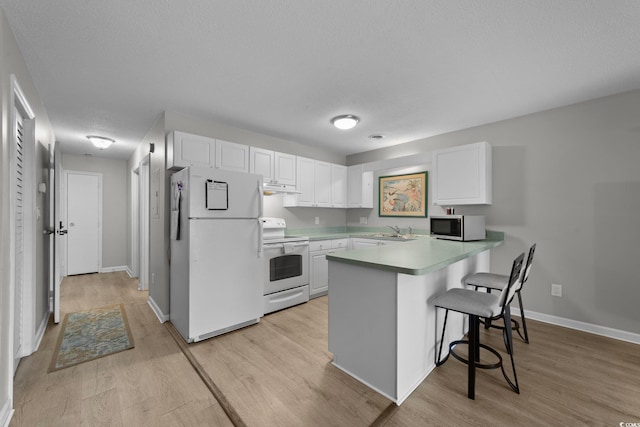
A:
270, 189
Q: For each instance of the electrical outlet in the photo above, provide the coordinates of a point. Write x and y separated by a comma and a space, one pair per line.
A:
556, 290
363, 220
317, 220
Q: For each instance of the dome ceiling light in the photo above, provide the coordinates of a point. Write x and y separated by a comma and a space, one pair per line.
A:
347, 121
100, 141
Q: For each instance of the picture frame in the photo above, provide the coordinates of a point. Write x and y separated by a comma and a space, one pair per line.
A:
403, 195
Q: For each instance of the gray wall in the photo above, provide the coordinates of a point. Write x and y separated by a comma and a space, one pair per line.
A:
11, 62
568, 179
115, 215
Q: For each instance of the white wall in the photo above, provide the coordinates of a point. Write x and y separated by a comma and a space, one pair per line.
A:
12, 63
115, 215
568, 179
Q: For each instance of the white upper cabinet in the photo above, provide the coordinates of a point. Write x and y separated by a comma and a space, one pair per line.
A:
184, 149
360, 187
462, 175
338, 186
285, 169
261, 162
232, 156
313, 184
323, 184
276, 168
306, 169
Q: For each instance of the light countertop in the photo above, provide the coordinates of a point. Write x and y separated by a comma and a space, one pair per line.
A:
416, 257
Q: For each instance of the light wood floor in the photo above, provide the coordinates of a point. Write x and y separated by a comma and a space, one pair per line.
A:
278, 373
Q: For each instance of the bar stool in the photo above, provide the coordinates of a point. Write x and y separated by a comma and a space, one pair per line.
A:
480, 304
498, 281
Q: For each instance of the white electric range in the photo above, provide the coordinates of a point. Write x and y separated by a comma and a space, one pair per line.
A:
286, 266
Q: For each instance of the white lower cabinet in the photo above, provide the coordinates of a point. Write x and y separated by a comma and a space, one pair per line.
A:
319, 266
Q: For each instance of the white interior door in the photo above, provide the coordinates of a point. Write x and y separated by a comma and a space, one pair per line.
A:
59, 232
22, 221
135, 238
84, 225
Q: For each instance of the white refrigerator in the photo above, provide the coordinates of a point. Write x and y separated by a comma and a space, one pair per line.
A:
216, 251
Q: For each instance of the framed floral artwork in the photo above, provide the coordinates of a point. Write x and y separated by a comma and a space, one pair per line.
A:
403, 195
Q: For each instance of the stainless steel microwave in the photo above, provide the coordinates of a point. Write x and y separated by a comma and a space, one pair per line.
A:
458, 227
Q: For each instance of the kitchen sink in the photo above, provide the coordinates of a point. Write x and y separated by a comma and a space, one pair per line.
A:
387, 236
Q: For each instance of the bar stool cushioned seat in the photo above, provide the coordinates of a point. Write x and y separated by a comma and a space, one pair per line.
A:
492, 281
480, 304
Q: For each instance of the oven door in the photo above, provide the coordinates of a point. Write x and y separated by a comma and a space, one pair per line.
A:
286, 266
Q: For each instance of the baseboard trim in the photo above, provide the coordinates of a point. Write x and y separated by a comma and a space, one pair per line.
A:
41, 331
581, 326
156, 309
129, 272
113, 269
6, 413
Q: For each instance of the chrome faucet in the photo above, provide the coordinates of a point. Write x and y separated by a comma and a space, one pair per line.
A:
395, 228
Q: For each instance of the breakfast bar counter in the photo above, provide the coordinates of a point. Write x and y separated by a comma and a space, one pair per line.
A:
382, 326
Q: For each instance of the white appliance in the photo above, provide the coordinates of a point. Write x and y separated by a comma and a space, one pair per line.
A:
286, 267
458, 227
216, 251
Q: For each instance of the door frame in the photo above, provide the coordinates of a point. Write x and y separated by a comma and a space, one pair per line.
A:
135, 238
56, 271
20, 105
144, 179
63, 211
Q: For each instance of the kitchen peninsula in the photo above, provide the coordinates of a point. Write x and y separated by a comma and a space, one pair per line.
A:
382, 326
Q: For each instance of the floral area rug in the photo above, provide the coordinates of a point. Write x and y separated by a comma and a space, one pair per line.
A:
91, 334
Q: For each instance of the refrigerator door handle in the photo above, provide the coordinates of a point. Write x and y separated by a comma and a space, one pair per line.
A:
260, 232
261, 204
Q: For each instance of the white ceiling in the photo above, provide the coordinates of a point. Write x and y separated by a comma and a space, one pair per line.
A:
409, 68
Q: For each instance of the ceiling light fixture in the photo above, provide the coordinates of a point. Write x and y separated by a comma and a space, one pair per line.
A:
345, 122
100, 141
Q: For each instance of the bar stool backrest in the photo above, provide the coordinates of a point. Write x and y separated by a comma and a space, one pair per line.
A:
509, 290
524, 274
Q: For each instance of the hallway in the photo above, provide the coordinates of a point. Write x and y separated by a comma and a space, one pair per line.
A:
151, 384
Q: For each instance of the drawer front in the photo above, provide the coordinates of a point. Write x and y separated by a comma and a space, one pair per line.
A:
319, 245
284, 299
339, 243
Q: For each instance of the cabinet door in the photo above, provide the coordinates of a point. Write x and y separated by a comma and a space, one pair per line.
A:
185, 149
261, 162
462, 175
232, 156
285, 169
323, 184
354, 193
338, 186
318, 272
360, 187
306, 181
